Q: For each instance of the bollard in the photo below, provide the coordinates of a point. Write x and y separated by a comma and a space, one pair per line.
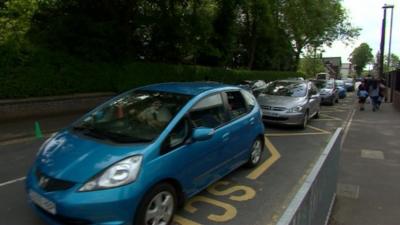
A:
38, 131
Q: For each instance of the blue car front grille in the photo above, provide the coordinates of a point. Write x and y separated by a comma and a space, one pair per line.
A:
48, 184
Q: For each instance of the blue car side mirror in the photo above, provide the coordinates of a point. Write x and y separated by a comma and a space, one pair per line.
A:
203, 133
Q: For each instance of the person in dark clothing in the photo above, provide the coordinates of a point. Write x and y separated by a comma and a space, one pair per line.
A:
362, 94
374, 94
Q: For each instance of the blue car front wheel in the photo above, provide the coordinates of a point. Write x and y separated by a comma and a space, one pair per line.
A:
158, 206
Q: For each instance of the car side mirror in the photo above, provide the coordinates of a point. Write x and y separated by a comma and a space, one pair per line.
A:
203, 133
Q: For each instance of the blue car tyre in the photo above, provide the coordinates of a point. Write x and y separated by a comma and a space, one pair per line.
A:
255, 153
158, 206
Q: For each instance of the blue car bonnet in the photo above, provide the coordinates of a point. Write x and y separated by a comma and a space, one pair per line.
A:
69, 157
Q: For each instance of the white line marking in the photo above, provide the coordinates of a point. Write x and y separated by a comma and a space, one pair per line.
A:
12, 181
346, 130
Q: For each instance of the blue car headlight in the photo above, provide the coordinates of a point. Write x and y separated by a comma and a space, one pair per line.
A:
121, 173
295, 109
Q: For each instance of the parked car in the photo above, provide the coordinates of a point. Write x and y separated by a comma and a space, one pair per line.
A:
135, 158
323, 76
254, 86
349, 83
327, 90
295, 78
290, 102
342, 90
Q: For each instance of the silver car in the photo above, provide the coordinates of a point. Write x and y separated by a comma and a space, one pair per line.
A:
290, 102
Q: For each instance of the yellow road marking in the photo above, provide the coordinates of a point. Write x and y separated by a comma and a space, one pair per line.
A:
342, 108
268, 163
295, 134
320, 132
319, 129
229, 214
330, 118
183, 221
249, 192
332, 111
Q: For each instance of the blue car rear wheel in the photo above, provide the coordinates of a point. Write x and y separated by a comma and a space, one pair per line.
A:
255, 153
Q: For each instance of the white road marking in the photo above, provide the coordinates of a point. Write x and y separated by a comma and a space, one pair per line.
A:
12, 181
346, 130
372, 154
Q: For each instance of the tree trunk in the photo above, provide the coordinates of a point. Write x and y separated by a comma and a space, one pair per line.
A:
252, 53
253, 44
296, 60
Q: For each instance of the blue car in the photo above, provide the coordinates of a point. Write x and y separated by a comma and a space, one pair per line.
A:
137, 157
342, 88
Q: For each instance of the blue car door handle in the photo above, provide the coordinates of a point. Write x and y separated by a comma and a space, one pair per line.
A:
252, 119
225, 137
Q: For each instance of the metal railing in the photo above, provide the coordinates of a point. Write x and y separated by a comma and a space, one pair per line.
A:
313, 203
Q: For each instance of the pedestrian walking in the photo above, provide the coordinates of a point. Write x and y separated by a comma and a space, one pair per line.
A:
362, 94
374, 94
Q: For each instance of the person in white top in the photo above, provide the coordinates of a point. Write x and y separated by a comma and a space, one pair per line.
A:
156, 115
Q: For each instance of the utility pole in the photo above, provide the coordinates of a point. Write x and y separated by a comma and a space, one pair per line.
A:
382, 49
390, 37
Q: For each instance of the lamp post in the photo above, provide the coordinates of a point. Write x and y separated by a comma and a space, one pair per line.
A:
390, 35
382, 49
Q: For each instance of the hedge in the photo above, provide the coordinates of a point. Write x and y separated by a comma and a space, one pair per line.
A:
45, 74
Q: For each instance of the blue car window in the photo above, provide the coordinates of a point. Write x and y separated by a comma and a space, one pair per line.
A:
209, 112
237, 104
138, 116
250, 100
177, 136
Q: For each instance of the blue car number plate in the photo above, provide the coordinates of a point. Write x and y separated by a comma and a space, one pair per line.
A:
42, 202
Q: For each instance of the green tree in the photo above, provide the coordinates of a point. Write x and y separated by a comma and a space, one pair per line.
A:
311, 63
360, 57
254, 34
15, 22
314, 22
394, 63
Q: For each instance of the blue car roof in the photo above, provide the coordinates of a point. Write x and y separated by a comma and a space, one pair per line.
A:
186, 88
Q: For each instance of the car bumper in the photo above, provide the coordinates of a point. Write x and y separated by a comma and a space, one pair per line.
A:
350, 88
283, 117
114, 206
327, 98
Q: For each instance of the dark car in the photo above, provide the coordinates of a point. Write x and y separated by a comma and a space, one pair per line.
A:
349, 83
327, 90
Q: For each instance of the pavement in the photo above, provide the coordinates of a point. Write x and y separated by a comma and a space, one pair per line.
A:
369, 184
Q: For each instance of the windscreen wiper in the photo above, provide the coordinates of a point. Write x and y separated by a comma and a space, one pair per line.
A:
91, 131
102, 134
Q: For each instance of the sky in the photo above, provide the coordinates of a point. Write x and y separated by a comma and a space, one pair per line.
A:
368, 15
